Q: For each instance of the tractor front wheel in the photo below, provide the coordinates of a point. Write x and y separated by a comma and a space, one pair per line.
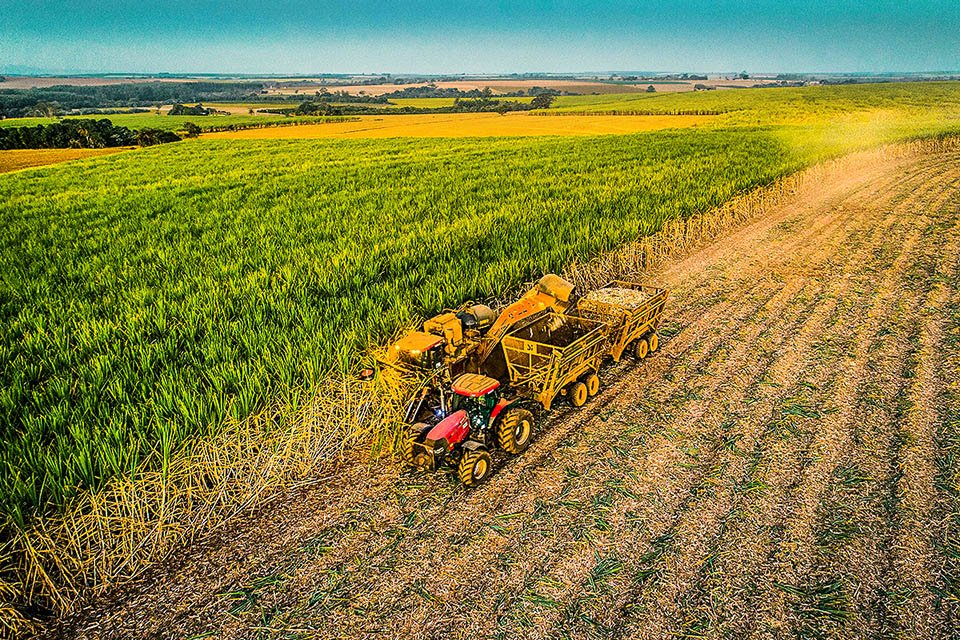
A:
414, 435
514, 430
474, 467
578, 394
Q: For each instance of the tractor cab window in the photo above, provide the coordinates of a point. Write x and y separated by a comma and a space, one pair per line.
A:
478, 409
475, 409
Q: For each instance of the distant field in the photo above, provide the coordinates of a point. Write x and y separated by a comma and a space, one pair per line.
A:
780, 105
509, 86
468, 125
151, 120
15, 159
436, 103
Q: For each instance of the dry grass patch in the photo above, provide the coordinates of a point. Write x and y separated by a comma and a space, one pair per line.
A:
16, 159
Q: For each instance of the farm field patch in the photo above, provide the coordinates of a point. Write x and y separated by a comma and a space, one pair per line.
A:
150, 120
766, 106
464, 125
15, 159
434, 103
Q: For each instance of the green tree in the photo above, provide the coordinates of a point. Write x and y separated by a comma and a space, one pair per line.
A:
542, 101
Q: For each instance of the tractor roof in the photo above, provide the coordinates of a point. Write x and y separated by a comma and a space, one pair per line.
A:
474, 385
417, 342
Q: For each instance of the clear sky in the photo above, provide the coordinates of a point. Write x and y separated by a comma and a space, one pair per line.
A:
447, 36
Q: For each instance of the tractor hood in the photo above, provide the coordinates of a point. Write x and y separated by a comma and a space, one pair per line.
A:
453, 429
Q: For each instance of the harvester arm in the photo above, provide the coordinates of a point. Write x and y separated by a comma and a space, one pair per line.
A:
551, 294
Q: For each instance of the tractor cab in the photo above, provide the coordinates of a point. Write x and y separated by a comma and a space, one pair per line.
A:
478, 395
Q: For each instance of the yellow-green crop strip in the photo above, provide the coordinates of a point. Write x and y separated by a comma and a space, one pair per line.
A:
150, 120
145, 297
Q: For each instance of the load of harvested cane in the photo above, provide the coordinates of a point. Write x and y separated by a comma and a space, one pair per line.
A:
618, 296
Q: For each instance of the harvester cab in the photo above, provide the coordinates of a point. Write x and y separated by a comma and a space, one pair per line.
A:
419, 350
480, 419
445, 341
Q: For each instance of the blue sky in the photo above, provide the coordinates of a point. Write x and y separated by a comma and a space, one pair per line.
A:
430, 36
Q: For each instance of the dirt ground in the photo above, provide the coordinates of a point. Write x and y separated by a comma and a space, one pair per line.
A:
784, 466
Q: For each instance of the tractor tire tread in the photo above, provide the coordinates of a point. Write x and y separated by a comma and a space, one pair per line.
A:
507, 430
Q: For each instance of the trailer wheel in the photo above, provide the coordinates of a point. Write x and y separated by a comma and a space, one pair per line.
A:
593, 384
654, 340
514, 430
578, 394
474, 467
641, 348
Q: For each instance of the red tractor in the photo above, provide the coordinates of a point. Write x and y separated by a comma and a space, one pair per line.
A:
478, 420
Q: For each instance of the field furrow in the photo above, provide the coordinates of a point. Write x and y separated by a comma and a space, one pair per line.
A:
773, 437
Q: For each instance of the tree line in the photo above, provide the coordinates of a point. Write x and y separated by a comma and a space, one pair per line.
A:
81, 134
460, 105
20, 103
82, 100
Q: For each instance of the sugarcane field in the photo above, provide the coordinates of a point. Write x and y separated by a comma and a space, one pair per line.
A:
308, 333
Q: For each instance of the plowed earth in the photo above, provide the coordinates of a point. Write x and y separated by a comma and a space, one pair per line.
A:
785, 465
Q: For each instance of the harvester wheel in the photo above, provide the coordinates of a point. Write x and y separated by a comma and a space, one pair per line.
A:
514, 430
593, 384
414, 434
474, 467
654, 340
578, 394
642, 348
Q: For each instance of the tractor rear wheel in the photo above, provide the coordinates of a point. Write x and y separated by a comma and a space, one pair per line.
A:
593, 384
641, 348
474, 467
578, 394
514, 430
654, 341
